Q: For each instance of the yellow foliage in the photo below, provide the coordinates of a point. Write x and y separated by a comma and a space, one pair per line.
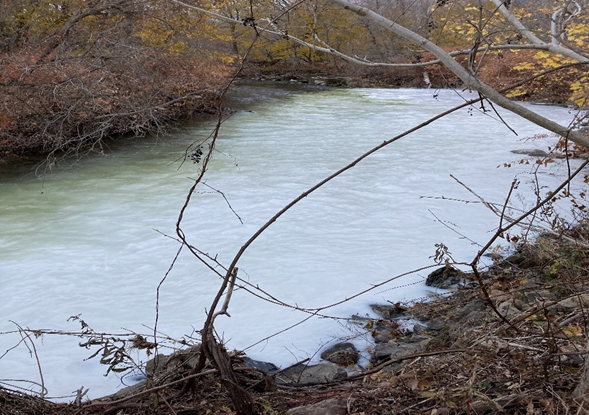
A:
580, 91
518, 92
524, 66
41, 18
578, 34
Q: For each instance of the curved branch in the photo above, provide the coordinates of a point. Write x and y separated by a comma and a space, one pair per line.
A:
559, 23
551, 47
469, 80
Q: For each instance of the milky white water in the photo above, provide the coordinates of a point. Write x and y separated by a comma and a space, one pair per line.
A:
84, 239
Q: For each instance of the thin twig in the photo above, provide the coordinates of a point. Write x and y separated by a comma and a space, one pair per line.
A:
44, 391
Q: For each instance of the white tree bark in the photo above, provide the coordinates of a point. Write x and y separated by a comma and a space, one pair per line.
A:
469, 79
554, 47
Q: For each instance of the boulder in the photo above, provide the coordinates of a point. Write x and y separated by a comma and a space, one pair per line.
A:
302, 374
384, 331
384, 351
382, 336
444, 277
572, 303
509, 310
343, 354
471, 307
269, 368
388, 312
187, 359
436, 324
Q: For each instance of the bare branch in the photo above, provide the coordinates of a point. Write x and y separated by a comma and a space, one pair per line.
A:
521, 28
469, 80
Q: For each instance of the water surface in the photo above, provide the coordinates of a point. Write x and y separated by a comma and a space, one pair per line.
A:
90, 239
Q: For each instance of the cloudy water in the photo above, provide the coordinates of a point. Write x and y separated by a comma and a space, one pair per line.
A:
90, 239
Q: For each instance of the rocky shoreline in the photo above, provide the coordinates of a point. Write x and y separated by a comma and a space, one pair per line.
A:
392, 340
450, 324
510, 339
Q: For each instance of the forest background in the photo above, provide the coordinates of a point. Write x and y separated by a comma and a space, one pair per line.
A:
75, 72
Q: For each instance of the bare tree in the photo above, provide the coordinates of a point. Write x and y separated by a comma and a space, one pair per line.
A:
73, 74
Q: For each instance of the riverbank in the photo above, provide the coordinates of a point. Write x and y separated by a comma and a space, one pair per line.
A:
514, 344
61, 123
501, 70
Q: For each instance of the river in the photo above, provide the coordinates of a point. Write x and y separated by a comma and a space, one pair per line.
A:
89, 239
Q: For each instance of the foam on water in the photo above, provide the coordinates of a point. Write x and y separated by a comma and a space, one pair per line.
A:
84, 240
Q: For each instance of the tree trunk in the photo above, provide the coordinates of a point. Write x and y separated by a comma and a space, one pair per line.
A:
470, 80
242, 400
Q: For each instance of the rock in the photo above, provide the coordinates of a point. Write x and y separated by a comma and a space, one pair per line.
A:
156, 365
521, 305
436, 324
321, 373
343, 354
508, 310
417, 338
187, 359
468, 309
327, 407
444, 277
419, 329
532, 152
386, 330
494, 344
384, 351
539, 296
572, 303
130, 390
388, 312
267, 367
382, 337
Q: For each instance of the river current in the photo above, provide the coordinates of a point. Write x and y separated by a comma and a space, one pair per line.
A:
89, 239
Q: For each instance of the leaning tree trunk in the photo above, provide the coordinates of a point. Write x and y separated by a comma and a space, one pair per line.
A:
470, 80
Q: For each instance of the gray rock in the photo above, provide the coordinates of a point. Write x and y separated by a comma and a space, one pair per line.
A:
436, 324
186, 358
419, 328
508, 310
417, 338
533, 152
384, 351
383, 337
327, 407
539, 296
156, 365
444, 277
471, 307
572, 303
267, 367
321, 373
388, 312
130, 390
344, 354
